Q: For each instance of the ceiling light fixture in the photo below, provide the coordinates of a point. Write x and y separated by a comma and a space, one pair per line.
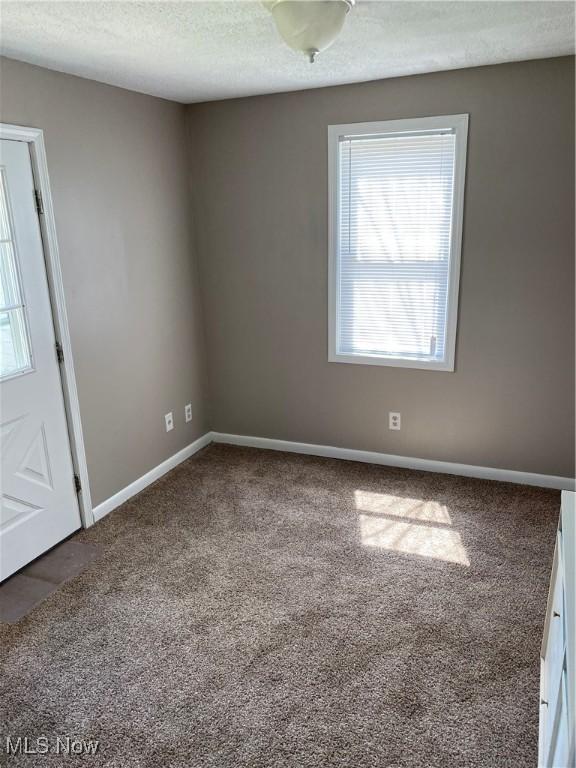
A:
309, 26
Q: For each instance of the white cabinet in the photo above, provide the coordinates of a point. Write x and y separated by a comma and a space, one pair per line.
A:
557, 738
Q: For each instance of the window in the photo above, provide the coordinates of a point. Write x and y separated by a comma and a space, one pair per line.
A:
15, 354
396, 202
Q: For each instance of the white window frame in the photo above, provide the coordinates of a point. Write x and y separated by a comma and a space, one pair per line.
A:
457, 123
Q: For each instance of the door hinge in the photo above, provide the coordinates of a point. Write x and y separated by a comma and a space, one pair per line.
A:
59, 352
38, 200
77, 484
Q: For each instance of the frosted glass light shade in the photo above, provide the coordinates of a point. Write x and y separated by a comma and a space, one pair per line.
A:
309, 26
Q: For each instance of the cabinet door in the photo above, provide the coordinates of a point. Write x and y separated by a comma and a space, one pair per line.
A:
560, 741
553, 746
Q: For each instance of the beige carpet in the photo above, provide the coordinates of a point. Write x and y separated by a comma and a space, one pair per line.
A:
258, 609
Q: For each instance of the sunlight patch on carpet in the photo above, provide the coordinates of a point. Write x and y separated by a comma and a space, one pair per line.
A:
413, 535
399, 506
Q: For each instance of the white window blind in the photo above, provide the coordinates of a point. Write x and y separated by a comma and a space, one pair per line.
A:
394, 242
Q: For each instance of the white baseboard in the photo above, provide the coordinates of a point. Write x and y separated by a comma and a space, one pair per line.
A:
138, 485
348, 454
406, 462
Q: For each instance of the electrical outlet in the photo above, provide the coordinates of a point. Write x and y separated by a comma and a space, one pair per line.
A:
394, 420
188, 412
169, 419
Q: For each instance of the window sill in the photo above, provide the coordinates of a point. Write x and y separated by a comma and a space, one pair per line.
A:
391, 362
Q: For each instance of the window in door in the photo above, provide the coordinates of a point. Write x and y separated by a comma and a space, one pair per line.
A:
15, 353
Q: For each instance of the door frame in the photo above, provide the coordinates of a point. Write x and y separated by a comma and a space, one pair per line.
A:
34, 137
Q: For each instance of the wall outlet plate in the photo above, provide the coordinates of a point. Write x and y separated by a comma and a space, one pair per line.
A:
188, 412
394, 420
169, 420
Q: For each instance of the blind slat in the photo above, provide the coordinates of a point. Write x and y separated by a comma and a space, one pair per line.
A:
394, 235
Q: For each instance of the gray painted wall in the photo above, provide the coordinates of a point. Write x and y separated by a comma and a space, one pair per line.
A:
259, 170
118, 165
118, 169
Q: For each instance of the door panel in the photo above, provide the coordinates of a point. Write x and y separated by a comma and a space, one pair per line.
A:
39, 506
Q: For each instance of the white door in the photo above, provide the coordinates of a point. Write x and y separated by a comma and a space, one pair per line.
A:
39, 505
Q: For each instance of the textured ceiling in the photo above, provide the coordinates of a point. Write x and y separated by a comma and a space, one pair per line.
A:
199, 51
